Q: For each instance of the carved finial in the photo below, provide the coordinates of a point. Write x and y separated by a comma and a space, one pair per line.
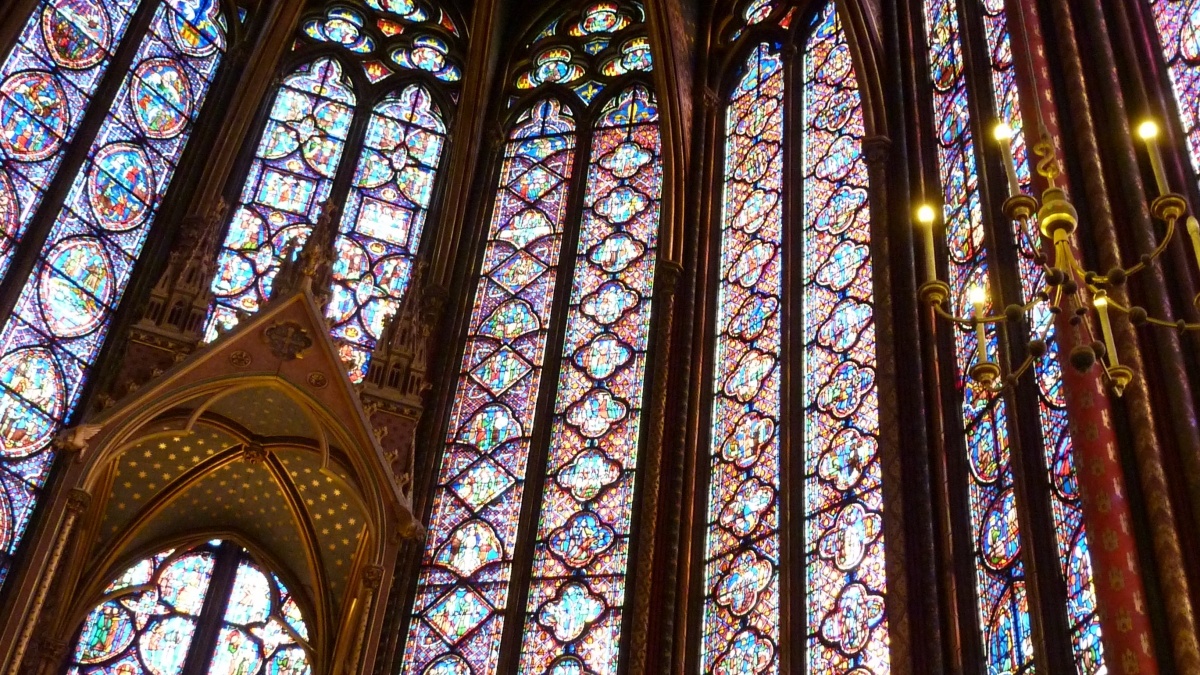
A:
312, 266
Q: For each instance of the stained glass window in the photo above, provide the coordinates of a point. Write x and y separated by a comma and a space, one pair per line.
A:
289, 182
148, 620
1178, 22
572, 617
845, 574
577, 589
384, 218
1003, 607
381, 177
1074, 560
46, 85
741, 560
463, 589
48, 345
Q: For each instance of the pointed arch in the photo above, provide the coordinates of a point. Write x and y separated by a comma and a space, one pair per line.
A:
290, 179
458, 613
62, 315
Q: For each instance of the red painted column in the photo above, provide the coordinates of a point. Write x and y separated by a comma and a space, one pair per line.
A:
1120, 595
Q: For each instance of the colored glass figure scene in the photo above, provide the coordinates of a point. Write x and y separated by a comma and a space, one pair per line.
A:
463, 586
1003, 606
46, 85
741, 560
149, 620
603, 50
1176, 21
289, 182
407, 34
384, 219
845, 572
62, 315
1067, 510
577, 591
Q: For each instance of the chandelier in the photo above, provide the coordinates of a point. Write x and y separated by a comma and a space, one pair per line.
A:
1083, 295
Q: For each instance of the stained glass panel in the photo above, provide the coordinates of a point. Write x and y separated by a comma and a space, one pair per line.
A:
146, 621
1000, 575
292, 175
61, 318
844, 560
261, 630
741, 561
384, 218
463, 585
46, 86
1074, 560
577, 589
1178, 24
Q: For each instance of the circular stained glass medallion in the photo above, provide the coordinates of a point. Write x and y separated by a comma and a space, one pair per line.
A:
197, 26
76, 288
161, 99
77, 32
31, 400
33, 115
120, 186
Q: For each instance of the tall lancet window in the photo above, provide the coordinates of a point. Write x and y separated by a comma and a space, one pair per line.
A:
999, 544
1177, 22
842, 573
396, 63
583, 93
73, 256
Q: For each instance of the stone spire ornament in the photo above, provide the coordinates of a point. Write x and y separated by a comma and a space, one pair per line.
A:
312, 267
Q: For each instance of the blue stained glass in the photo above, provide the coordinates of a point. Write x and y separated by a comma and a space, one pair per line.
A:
462, 592
46, 85
298, 156
1003, 608
1066, 507
741, 557
384, 219
61, 318
586, 520
845, 565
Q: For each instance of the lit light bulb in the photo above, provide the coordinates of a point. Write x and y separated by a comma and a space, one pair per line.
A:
926, 214
1003, 132
977, 295
1100, 301
1147, 130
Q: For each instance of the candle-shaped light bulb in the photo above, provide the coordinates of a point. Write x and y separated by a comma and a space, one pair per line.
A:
1148, 132
925, 217
1004, 135
977, 295
1100, 300
1193, 228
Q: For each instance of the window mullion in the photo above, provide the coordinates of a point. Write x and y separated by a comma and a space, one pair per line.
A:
208, 625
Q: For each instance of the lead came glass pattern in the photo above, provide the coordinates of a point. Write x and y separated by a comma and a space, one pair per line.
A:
1000, 575
1178, 23
261, 629
46, 85
62, 315
577, 589
289, 182
383, 220
741, 569
844, 560
463, 585
1071, 539
147, 619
